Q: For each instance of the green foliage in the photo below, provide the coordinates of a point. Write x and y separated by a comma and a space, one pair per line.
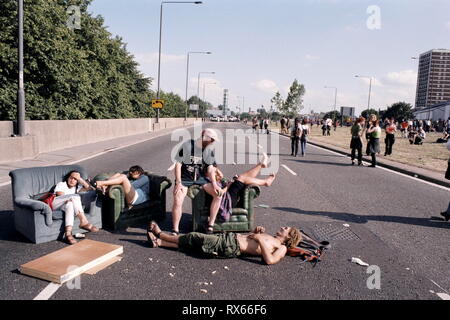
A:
332, 115
278, 102
366, 113
399, 111
294, 101
70, 73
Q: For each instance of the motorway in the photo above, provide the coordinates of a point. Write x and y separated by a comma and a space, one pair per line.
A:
392, 222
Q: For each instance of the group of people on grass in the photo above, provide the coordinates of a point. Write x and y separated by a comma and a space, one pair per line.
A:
195, 165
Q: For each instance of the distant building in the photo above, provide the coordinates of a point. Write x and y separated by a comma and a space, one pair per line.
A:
433, 80
440, 111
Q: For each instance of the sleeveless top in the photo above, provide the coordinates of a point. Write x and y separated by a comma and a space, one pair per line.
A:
376, 134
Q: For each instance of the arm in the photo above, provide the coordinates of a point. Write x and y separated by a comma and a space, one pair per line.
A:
269, 256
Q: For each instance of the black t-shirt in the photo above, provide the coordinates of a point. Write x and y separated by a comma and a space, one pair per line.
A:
194, 160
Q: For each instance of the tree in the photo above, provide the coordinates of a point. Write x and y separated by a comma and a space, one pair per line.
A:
294, 101
366, 113
332, 115
68, 73
278, 102
399, 111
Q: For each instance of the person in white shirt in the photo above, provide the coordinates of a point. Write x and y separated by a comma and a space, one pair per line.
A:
68, 200
304, 137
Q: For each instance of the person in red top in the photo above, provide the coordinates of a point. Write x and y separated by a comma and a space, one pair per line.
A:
391, 129
404, 129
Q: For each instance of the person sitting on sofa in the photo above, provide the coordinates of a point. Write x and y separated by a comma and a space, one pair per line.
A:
272, 249
233, 189
68, 200
136, 185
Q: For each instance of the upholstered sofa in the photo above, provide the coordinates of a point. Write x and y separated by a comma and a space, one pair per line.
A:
115, 212
242, 217
33, 218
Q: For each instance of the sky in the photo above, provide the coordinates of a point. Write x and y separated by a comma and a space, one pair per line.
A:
260, 47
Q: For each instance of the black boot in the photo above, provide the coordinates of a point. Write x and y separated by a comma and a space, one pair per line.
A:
446, 216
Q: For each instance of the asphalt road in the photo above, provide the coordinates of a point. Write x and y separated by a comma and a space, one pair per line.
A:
393, 224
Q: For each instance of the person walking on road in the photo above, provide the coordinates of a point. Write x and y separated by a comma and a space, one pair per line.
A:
356, 144
283, 126
295, 137
446, 214
272, 249
374, 143
391, 129
266, 125
372, 118
304, 136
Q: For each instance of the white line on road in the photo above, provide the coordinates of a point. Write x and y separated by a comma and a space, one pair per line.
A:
386, 169
287, 168
48, 291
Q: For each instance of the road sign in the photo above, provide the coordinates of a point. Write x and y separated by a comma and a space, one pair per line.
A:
157, 104
193, 107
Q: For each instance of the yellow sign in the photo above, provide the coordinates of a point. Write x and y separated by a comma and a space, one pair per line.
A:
157, 104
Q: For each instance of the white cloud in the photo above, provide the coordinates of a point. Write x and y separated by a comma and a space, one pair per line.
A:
266, 85
375, 82
447, 25
406, 77
311, 57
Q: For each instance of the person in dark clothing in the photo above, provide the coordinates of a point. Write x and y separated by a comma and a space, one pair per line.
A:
372, 118
391, 129
374, 144
356, 142
194, 162
295, 137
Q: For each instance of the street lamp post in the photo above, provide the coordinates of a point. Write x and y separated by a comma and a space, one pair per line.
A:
20, 130
335, 101
370, 87
198, 88
204, 85
187, 78
160, 43
243, 103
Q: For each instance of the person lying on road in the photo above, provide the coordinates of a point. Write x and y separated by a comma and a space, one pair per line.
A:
272, 249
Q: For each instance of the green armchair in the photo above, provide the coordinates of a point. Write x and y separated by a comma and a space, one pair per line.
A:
242, 217
117, 216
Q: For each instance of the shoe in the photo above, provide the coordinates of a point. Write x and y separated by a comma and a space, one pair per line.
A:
360, 164
372, 166
446, 216
210, 229
353, 163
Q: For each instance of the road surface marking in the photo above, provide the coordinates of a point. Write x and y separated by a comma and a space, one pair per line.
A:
443, 296
386, 169
48, 291
286, 167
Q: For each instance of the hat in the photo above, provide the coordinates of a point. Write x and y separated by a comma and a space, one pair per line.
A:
210, 133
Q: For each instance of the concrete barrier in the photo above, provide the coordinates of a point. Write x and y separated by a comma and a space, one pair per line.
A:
6, 129
50, 135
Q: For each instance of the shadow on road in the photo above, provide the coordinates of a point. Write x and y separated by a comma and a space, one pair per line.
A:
8, 230
322, 162
432, 222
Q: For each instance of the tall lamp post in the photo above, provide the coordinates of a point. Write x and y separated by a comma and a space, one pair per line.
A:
335, 100
204, 85
187, 77
198, 88
243, 103
160, 37
20, 130
370, 87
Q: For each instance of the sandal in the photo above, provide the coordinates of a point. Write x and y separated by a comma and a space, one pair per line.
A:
152, 240
151, 229
175, 233
89, 227
69, 239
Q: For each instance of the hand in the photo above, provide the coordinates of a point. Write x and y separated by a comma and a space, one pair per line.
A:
217, 190
77, 176
178, 188
259, 229
254, 236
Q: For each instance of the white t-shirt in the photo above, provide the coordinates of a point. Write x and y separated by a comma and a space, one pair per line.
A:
63, 187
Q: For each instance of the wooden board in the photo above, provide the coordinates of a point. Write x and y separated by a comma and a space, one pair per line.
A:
65, 264
102, 266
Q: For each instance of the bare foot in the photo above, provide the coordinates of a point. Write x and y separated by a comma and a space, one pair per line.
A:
270, 179
154, 228
264, 160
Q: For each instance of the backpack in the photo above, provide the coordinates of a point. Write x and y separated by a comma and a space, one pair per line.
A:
309, 250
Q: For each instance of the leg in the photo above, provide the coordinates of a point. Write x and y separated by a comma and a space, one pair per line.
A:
215, 205
292, 146
374, 159
360, 155
177, 208
120, 179
353, 155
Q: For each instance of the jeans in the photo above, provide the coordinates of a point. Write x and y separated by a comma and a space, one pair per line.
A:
359, 154
303, 146
294, 145
390, 140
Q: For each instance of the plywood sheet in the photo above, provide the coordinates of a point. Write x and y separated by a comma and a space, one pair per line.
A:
103, 265
70, 262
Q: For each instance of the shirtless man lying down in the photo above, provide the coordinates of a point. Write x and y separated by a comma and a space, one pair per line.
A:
229, 245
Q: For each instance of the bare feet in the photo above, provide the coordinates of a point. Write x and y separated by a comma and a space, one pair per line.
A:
270, 179
264, 160
154, 228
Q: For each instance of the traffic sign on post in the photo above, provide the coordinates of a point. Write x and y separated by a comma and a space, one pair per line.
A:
157, 104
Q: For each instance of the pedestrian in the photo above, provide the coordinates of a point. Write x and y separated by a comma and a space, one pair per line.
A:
272, 249
266, 125
283, 125
404, 129
356, 143
391, 129
304, 136
254, 124
372, 118
295, 137
324, 128
329, 123
446, 214
261, 124
374, 143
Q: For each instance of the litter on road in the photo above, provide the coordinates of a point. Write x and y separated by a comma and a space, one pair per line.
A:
360, 262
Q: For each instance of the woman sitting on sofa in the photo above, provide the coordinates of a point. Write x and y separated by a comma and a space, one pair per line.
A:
136, 185
68, 200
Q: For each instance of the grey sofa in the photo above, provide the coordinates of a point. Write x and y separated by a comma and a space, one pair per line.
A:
33, 218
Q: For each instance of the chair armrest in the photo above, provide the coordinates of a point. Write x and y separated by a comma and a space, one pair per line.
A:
193, 191
35, 205
160, 183
117, 193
